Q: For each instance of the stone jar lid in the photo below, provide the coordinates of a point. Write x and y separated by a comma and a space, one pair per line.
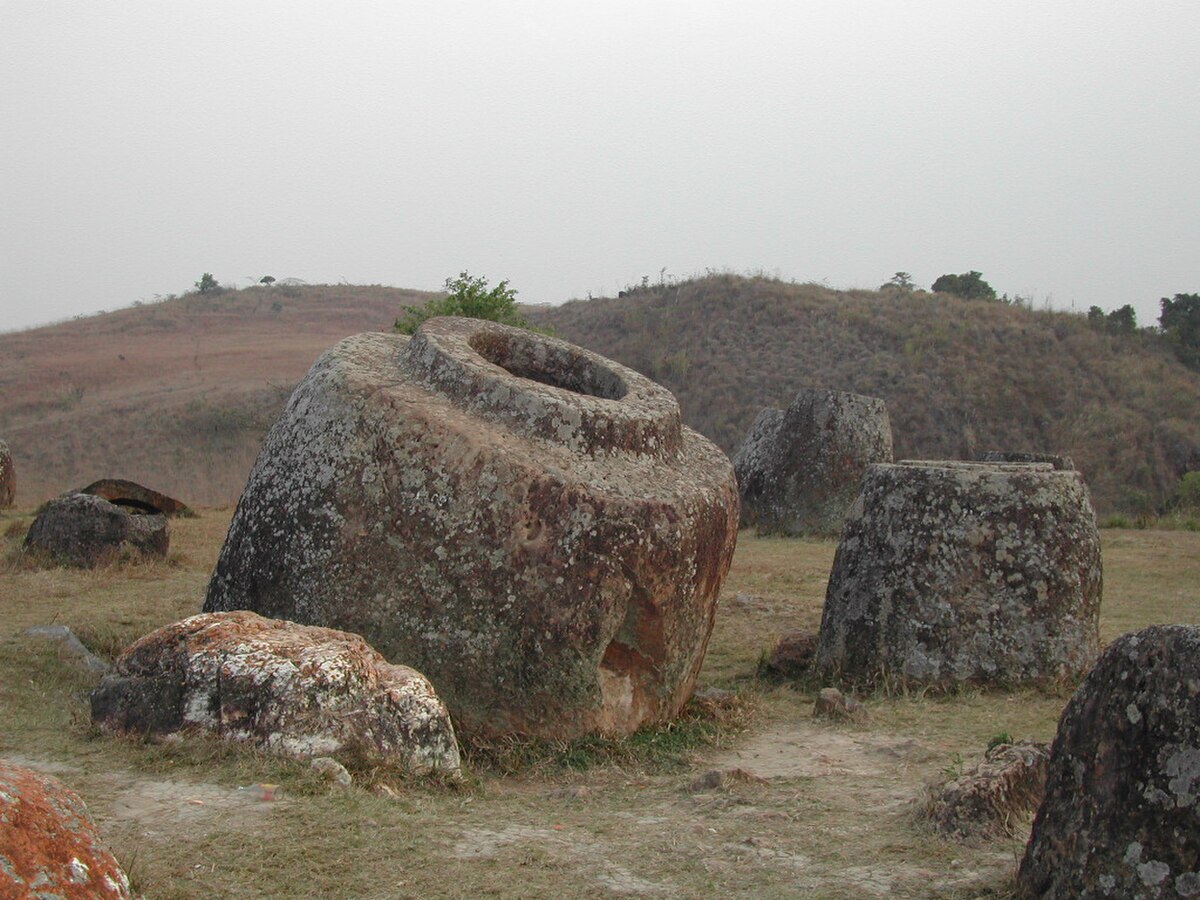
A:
562, 393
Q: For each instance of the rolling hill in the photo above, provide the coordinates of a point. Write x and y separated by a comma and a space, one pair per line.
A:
177, 395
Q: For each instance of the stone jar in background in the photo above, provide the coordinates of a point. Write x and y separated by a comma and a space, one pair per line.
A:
1121, 812
8, 477
800, 469
525, 522
952, 572
83, 530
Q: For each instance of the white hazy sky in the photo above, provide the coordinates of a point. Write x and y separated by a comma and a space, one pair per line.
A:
573, 147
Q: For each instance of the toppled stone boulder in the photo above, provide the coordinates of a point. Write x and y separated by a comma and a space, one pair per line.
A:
292, 689
8, 477
526, 522
832, 704
82, 530
1055, 460
799, 469
1121, 813
70, 646
132, 495
990, 799
793, 654
49, 846
951, 572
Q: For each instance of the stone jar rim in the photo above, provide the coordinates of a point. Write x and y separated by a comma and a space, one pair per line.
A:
544, 387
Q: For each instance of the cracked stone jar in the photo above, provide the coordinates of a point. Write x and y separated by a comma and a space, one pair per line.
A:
951, 572
525, 522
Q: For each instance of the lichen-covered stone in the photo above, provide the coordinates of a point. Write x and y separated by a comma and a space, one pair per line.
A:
991, 798
793, 654
132, 495
799, 469
953, 572
1121, 813
1056, 460
48, 844
292, 689
82, 529
8, 477
522, 520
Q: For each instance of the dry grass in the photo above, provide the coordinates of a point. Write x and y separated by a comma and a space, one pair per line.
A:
176, 395
833, 818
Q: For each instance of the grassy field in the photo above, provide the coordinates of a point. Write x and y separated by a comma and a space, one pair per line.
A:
825, 810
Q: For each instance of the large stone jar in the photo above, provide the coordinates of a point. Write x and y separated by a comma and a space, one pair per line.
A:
799, 469
952, 572
525, 522
1121, 812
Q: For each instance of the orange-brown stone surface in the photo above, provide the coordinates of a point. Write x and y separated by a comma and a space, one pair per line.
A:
48, 844
526, 522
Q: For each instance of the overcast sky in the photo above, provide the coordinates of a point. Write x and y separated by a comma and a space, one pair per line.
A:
573, 147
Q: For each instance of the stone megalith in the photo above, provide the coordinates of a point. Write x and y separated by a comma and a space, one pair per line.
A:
49, 846
292, 689
1121, 812
800, 469
1056, 460
135, 496
522, 520
953, 572
82, 529
8, 477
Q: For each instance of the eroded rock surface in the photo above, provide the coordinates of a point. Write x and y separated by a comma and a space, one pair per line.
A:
793, 654
990, 798
1056, 460
1121, 814
132, 495
799, 469
522, 520
82, 529
8, 477
953, 572
48, 844
292, 689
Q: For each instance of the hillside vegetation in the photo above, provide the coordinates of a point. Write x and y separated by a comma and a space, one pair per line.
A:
178, 395
960, 377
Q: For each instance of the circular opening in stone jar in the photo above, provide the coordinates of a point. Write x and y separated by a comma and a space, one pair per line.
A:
546, 363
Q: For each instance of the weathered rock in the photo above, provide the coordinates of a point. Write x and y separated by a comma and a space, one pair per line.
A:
723, 779
793, 654
292, 689
71, 646
49, 846
134, 496
332, 771
833, 704
799, 470
1121, 814
82, 529
953, 572
1058, 461
8, 477
989, 799
524, 521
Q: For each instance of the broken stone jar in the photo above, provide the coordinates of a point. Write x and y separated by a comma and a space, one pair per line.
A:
952, 572
525, 522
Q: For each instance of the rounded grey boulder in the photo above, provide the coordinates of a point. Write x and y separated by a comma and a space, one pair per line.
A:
800, 469
83, 529
1121, 812
525, 522
953, 572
